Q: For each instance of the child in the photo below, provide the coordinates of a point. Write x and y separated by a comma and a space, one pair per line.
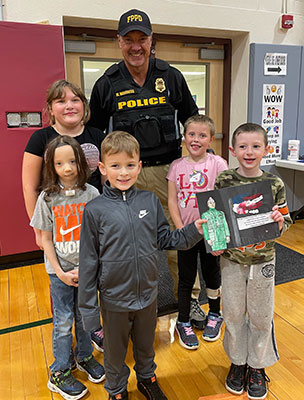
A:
188, 176
58, 214
122, 231
248, 275
68, 112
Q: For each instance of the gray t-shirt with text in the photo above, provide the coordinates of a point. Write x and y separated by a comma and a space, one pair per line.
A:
62, 215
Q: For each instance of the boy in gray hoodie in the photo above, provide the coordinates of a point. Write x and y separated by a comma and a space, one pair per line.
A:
122, 231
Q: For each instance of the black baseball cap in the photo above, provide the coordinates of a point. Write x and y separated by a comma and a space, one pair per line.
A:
134, 20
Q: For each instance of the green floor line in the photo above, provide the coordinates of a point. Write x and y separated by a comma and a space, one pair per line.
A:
26, 326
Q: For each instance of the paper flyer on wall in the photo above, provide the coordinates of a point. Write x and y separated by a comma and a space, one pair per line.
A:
237, 216
272, 120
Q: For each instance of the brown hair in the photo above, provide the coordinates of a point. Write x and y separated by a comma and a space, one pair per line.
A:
118, 142
56, 91
49, 175
200, 119
249, 127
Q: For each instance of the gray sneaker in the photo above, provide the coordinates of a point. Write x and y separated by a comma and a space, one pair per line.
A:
197, 315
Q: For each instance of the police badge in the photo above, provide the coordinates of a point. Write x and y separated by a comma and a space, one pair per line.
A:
160, 85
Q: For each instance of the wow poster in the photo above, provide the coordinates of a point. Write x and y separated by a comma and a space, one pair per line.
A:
272, 120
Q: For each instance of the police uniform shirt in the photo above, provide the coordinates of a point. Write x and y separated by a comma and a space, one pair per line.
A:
103, 107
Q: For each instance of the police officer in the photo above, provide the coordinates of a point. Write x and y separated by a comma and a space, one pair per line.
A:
147, 98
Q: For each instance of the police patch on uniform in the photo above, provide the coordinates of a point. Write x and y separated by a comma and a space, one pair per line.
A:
268, 271
160, 85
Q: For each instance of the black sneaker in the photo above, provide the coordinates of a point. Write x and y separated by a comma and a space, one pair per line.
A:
236, 378
90, 366
97, 339
257, 383
120, 396
213, 328
64, 383
150, 389
197, 315
187, 338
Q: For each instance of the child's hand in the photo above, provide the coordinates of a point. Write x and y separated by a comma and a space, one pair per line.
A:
198, 223
217, 253
277, 216
70, 278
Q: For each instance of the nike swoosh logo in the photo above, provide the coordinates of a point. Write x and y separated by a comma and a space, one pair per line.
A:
143, 215
66, 231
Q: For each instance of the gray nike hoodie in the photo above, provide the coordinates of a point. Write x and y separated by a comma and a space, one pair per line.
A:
121, 234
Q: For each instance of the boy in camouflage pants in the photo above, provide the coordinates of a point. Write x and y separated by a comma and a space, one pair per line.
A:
248, 275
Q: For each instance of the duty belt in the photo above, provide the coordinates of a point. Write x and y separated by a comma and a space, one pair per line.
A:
166, 160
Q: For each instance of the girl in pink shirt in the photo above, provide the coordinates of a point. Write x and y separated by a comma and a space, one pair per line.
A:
187, 176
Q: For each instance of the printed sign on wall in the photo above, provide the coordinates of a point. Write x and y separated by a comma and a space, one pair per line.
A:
272, 120
275, 64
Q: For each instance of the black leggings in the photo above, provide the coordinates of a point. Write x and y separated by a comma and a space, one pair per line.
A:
187, 270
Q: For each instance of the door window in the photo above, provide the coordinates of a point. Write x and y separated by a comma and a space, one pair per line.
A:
196, 76
91, 70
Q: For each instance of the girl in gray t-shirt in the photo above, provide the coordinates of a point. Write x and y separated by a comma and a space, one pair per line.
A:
58, 215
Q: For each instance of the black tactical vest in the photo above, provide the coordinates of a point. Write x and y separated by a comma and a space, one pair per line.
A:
146, 112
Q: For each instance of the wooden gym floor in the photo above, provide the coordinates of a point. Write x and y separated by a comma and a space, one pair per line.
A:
26, 348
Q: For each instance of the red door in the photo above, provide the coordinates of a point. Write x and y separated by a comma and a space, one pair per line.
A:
32, 57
